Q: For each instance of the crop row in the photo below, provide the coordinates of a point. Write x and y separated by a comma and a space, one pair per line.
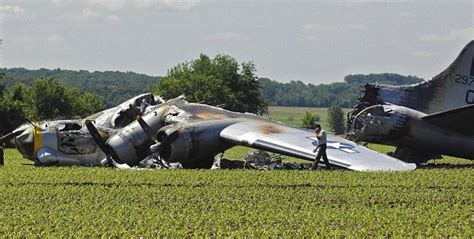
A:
92, 202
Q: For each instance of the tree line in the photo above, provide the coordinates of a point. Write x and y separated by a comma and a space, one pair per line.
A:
115, 87
345, 94
221, 81
46, 98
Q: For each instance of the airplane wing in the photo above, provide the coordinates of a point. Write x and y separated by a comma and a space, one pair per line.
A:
459, 120
286, 140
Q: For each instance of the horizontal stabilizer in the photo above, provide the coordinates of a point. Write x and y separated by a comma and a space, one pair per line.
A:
459, 120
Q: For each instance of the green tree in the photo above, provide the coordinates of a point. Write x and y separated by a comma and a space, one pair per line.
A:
45, 99
112, 86
52, 100
87, 104
15, 107
217, 81
336, 119
309, 119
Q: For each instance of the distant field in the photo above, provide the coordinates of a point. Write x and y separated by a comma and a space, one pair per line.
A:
436, 201
293, 115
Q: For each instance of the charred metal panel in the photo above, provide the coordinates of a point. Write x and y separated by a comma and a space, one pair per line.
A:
75, 142
378, 123
197, 140
135, 108
408, 96
126, 112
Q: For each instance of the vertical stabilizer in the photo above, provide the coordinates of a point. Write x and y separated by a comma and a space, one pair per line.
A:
451, 89
454, 87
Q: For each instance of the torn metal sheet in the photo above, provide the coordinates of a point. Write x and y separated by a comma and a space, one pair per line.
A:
258, 160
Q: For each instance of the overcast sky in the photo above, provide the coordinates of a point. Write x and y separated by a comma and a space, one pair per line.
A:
312, 41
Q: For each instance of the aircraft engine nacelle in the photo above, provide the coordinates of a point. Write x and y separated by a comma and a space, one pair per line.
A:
379, 122
131, 144
193, 144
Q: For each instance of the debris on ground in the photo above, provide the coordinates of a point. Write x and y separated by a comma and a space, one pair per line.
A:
258, 159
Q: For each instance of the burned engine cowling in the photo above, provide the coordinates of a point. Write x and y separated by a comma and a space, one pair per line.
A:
193, 144
131, 144
377, 123
368, 97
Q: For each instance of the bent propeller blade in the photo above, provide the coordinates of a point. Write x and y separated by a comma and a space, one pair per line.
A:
96, 136
148, 130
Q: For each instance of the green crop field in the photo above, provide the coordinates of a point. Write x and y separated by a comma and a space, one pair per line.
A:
434, 201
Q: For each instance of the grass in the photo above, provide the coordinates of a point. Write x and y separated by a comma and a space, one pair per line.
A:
93, 202
106, 202
293, 115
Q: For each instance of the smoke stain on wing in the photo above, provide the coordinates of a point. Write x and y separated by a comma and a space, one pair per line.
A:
270, 129
210, 115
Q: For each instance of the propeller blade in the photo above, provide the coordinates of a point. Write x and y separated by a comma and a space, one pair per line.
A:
119, 165
148, 130
168, 140
155, 147
9, 136
97, 138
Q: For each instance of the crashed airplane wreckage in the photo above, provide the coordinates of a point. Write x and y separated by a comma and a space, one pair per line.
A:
424, 120
148, 128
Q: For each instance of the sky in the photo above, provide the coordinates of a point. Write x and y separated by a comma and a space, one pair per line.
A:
311, 41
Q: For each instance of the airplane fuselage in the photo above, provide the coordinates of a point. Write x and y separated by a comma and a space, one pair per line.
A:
404, 127
53, 143
418, 119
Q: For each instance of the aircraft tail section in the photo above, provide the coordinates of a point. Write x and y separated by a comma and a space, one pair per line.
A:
463, 65
451, 89
454, 87
459, 120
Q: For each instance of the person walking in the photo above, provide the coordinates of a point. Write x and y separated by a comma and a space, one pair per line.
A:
321, 148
